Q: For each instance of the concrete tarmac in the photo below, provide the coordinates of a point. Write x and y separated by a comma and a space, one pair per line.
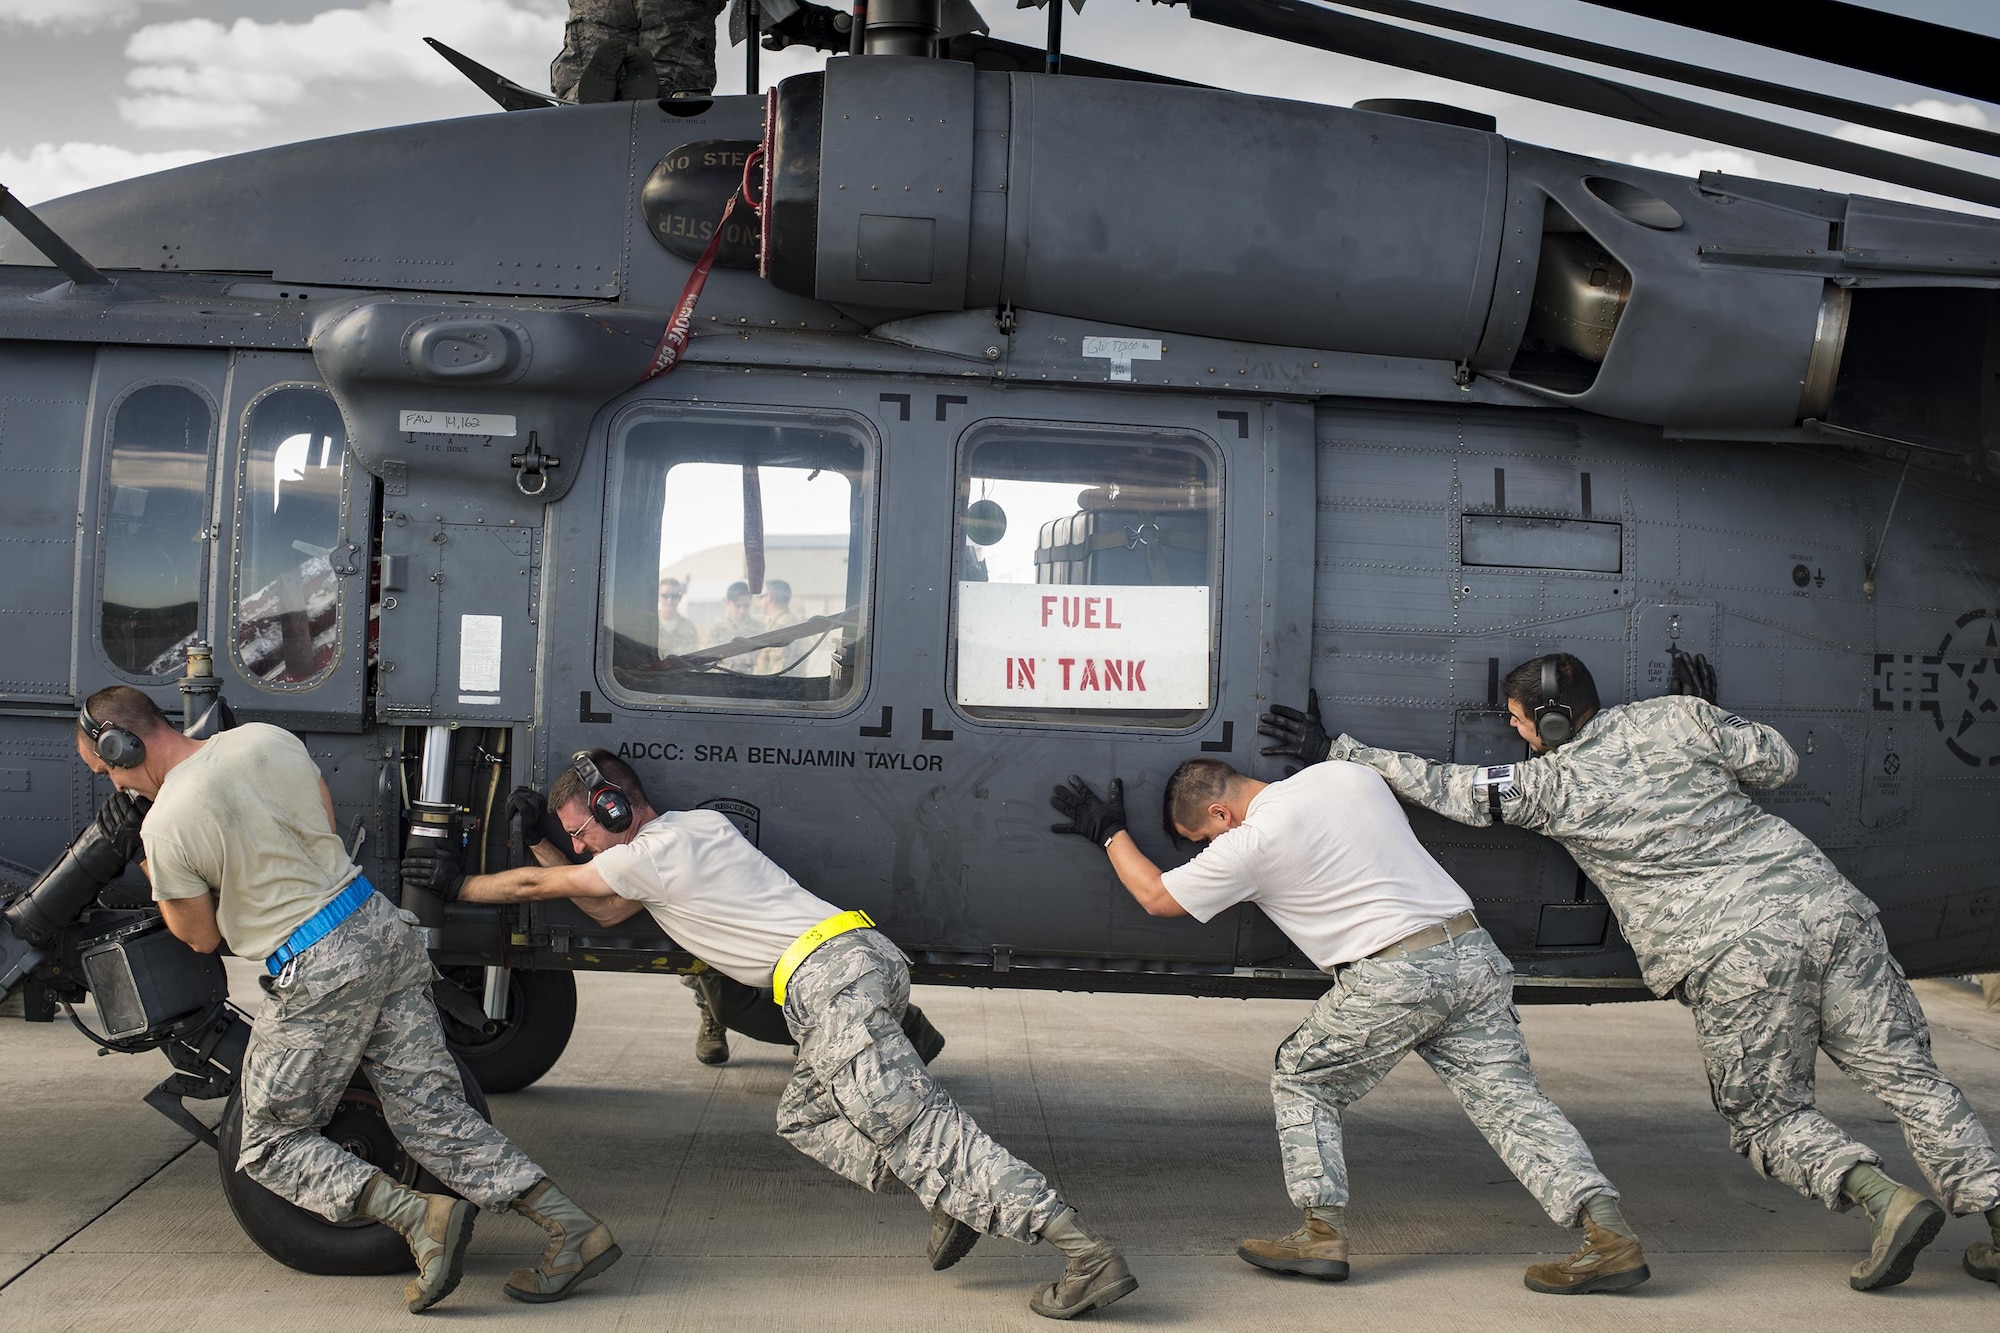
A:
1150, 1113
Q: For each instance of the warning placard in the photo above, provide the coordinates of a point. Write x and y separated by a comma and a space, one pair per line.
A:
1040, 645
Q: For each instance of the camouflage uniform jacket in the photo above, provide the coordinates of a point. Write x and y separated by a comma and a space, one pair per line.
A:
1648, 798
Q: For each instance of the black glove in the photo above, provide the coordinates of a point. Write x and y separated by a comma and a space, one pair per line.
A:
93, 859
556, 836
1098, 818
1691, 675
812, 25
435, 865
528, 805
1298, 735
118, 821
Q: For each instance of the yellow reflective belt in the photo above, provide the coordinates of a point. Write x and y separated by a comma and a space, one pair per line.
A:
803, 946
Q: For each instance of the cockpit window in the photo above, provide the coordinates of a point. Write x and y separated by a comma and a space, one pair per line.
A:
156, 505
737, 560
287, 629
1086, 566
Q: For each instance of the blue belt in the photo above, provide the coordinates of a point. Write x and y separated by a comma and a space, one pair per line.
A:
320, 924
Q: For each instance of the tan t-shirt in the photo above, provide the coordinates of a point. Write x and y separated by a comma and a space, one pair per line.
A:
243, 816
720, 898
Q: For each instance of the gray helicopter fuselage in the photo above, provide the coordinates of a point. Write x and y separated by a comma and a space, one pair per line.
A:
1322, 427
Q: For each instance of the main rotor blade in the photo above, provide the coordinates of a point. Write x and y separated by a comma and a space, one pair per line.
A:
1310, 25
1929, 55
1776, 94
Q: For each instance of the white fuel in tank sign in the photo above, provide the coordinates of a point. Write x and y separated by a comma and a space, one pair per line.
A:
1040, 645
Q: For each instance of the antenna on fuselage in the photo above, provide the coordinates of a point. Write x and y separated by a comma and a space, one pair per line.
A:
84, 276
1052, 53
510, 95
53, 247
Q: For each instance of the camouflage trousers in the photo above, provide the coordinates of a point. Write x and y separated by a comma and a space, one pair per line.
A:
627, 50
1824, 981
755, 1013
361, 999
1452, 1004
861, 1103
743, 1009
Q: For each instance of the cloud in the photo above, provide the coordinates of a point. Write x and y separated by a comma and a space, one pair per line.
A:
1936, 108
168, 112
200, 74
1729, 161
51, 170
71, 13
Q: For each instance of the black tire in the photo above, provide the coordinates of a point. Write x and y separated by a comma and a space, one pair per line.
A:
541, 1014
306, 1241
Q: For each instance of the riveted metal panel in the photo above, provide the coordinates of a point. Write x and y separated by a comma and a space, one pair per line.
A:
1890, 771
461, 631
895, 214
429, 207
47, 791
44, 402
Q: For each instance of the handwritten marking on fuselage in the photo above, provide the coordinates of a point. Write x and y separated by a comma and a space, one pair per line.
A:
455, 423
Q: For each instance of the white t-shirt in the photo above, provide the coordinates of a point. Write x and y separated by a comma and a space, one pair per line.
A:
721, 899
243, 816
1329, 855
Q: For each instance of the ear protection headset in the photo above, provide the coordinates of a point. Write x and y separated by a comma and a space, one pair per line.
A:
609, 805
1555, 722
117, 747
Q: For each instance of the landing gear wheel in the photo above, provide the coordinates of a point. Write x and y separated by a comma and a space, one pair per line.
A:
306, 1241
508, 1055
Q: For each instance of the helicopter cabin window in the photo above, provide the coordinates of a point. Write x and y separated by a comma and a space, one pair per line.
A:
738, 560
1086, 564
288, 526
155, 510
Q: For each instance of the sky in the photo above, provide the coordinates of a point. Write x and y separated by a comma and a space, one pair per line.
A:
93, 91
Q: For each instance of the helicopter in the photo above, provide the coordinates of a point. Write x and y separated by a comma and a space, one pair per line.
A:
859, 459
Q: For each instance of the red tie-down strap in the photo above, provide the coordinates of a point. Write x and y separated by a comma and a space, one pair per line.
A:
680, 326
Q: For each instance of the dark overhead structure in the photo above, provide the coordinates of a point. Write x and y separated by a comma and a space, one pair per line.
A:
1929, 55
1329, 30
1928, 128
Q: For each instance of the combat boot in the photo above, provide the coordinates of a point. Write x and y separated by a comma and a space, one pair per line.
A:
951, 1240
1982, 1257
437, 1227
1094, 1277
1316, 1249
927, 1040
580, 1246
1903, 1220
711, 1039
1606, 1262
1982, 1260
